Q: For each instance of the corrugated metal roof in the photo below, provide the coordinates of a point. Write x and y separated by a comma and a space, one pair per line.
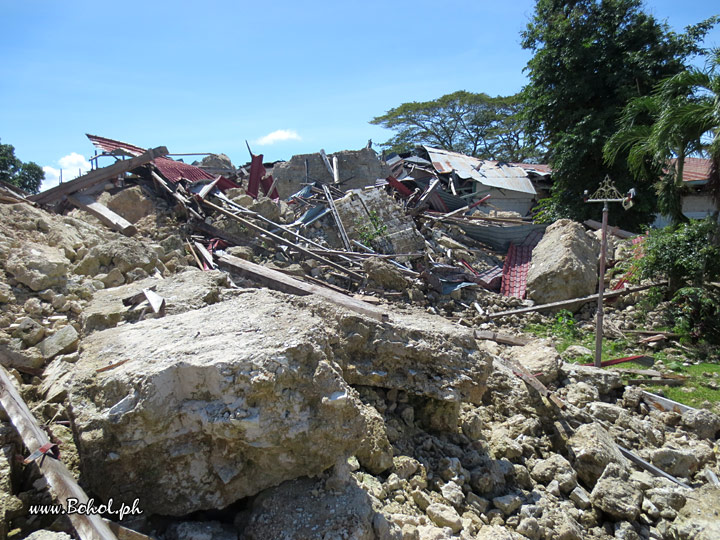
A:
500, 237
487, 173
169, 168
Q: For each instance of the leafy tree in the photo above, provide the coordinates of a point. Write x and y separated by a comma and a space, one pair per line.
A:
590, 58
27, 176
680, 118
473, 124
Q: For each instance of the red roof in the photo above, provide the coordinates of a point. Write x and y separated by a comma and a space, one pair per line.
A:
696, 169
169, 168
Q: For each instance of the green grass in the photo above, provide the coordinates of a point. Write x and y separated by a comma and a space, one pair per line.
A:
564, 332
692, 393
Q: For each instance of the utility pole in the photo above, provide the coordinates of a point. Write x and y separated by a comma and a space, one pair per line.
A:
606, 193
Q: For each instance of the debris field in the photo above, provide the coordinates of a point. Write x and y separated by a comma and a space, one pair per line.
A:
331, 347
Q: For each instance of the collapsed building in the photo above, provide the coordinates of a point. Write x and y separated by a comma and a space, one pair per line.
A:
337, 363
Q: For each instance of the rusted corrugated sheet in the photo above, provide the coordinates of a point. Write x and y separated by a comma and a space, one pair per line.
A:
487, 173
696, 170
172, 170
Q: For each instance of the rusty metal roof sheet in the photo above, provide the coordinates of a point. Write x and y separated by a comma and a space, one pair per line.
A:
488, 173
169, 168
696, 170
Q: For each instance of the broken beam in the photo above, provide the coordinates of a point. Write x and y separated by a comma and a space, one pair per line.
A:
354, 275
281, 282
61, 482
581, 300
98, 175
103, 213
640, 462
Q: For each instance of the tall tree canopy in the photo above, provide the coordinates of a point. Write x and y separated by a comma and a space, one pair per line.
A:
28, 176
473, 124
684, 119
590, 58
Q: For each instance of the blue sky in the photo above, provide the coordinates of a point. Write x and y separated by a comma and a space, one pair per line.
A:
290, 77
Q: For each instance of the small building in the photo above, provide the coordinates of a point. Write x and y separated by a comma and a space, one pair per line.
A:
697, 202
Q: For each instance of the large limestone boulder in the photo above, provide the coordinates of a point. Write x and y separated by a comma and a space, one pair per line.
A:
564, 264
211, 405
38, 266
199, 409
540, 358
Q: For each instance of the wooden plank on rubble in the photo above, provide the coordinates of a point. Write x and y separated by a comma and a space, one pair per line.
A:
281, 282
581, 300
96, 176
103, 213
60, 480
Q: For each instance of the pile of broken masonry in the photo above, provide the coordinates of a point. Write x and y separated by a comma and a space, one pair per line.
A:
243, 368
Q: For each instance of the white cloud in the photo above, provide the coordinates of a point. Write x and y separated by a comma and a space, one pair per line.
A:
72, 166
278, 136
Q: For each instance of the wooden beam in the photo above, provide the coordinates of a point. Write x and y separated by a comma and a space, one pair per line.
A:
60, 480
103, 213
336, 216
281, 282
96, 176
354, 275
582, 300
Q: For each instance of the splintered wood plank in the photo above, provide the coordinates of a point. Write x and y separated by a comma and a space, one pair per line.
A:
282, 282
103, 213
60, 480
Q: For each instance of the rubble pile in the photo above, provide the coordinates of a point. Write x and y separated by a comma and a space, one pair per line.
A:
339, 363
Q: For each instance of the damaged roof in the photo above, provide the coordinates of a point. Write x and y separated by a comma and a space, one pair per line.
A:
172, 170
488, 173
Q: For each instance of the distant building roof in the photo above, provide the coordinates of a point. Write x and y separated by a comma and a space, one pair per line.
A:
488, 173
696, 170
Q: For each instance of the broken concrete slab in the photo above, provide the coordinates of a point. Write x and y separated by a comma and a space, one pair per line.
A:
186, 291
357, 169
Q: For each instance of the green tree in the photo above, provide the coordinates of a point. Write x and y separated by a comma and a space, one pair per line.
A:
473, 124
680, 118
27, 176
590, 58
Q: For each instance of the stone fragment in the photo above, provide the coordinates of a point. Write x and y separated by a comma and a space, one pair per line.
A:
699, 519
38, 266
496, 532
63, 341
375, 452
507, 503
539, 358
48, 535
702, 422
452, 493
604, 380
678, 462
384, 275
29, 331
580, 497
444, 516
556, 467
6, 294
615, 495
593, 450
131, 203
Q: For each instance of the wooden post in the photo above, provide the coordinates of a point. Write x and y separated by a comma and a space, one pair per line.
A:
601, 289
